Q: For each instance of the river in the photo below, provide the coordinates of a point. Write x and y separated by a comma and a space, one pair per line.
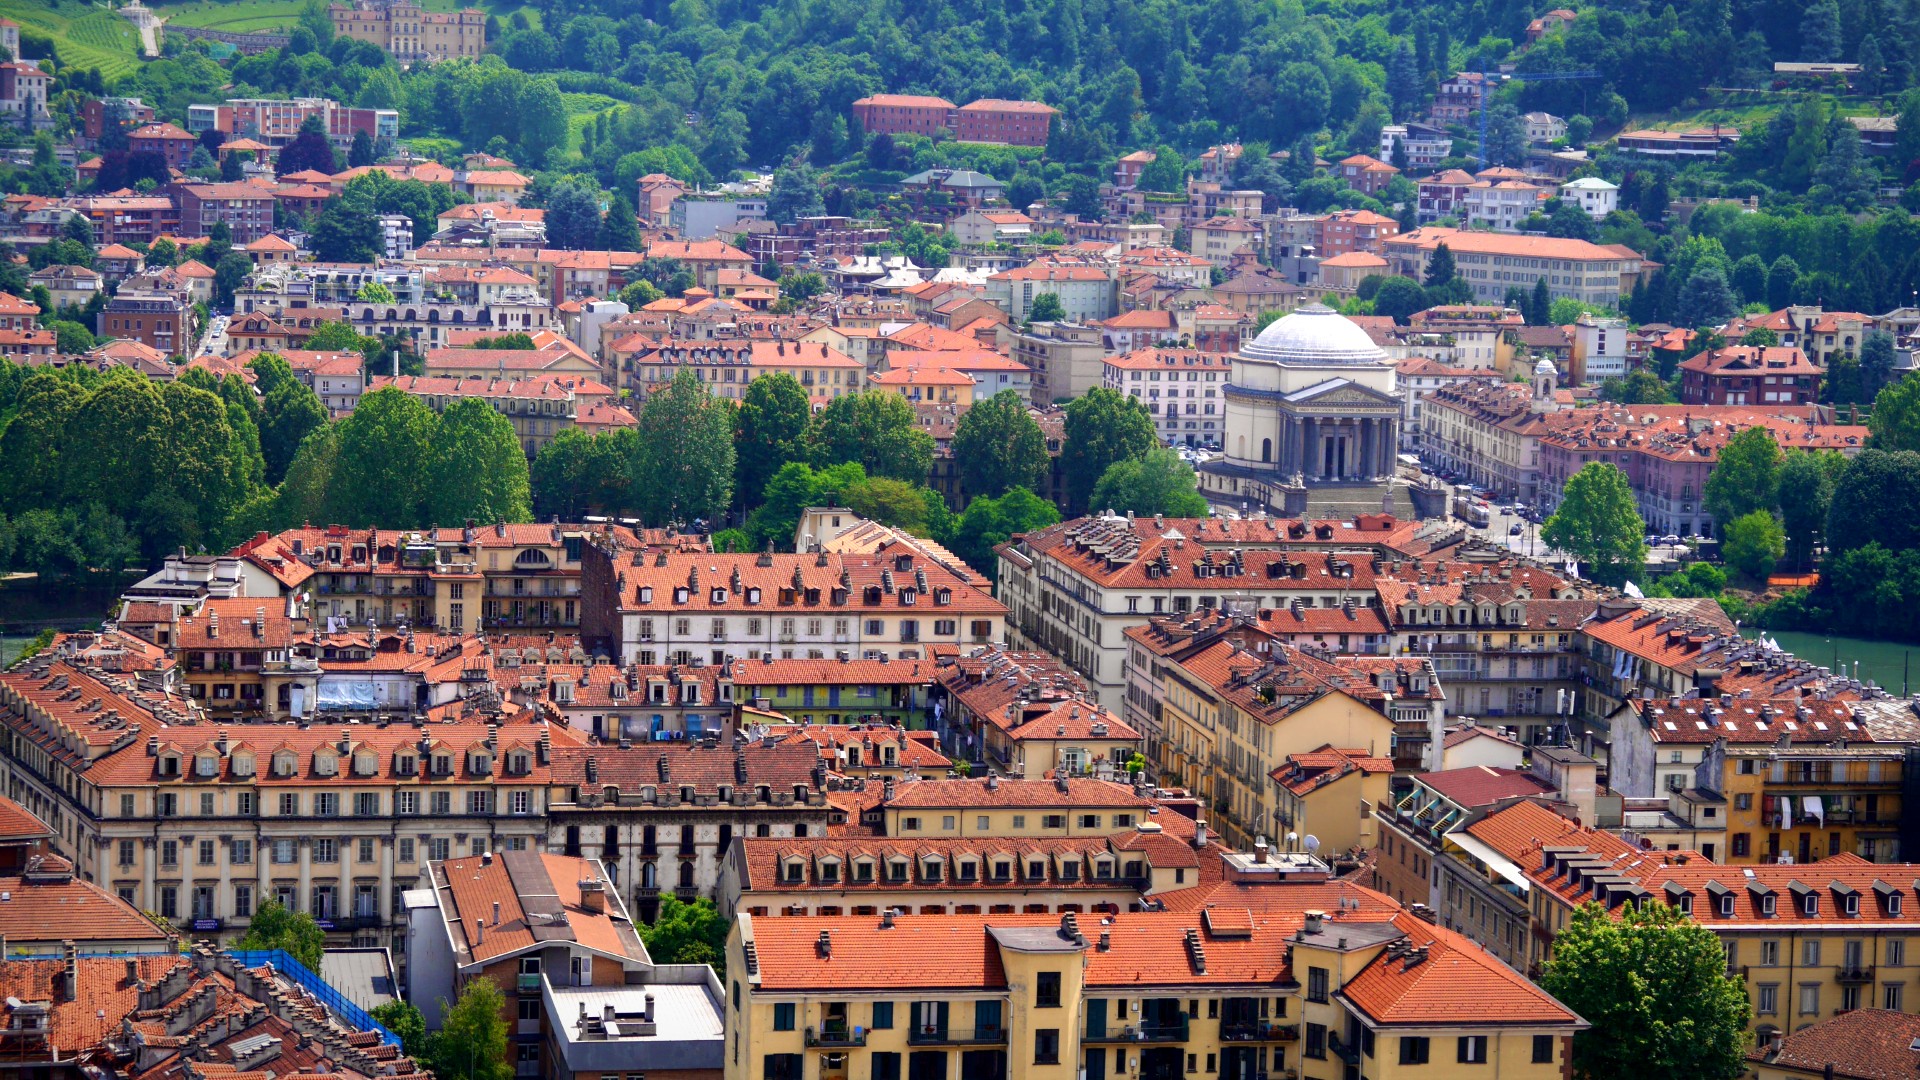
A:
29, 605
1891, 664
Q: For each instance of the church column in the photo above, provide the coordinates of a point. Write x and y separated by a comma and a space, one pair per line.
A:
1314, 456
1389, 447
1294, 459
1361, 462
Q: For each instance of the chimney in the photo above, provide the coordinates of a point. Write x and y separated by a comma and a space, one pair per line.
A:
1200, 833
479, 932
1315, 920
593, 895
496, 911
886, 919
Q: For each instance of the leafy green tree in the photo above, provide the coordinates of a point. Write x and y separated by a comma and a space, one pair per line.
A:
1876, 362
1781, 276
289, 413
472, 1041
230, 274
373, 292
1599, 524
1706, 299
577, 474
620, 229
687, 932
1102, 427
382, 462
684, 465
477, 469
877, 430
793, 488
988, 522
890, 502
1806, 494
795, 194
1166, 172
1895, 421
347, 232
1753, 543
1399, 297
362, 151
405, 1021
309, 149
273, 926
638, 294
1440, 268
70, 338
1046, 307
998, 445
1653, 984
1746, 478
1540, 304
1876, 500
573, 214
1159, 483
769, 430
542, 120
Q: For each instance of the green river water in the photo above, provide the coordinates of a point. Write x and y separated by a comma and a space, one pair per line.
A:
1885, 662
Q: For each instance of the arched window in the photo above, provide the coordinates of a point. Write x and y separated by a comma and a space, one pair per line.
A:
686, 874
1266, 449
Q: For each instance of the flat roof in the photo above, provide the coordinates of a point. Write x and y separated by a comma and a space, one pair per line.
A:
688, 1030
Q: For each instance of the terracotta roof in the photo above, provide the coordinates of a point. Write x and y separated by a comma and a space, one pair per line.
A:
18, 826
701, 582
1859, 1044
48, 904
1072, 719
1484, 785
1508, 244
104, 995
921, 101
1303, 774
533, 894
769, 671
670, 766
977, 794
1456, 983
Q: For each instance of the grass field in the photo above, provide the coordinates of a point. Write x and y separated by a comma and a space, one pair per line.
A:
247, 16
87, 36
581, 109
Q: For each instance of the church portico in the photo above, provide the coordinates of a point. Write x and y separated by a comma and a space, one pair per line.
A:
1310, 402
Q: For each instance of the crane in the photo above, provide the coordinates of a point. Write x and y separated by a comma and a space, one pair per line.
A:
1486, 91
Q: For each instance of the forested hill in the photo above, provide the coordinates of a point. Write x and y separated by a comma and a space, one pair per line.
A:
1183, 72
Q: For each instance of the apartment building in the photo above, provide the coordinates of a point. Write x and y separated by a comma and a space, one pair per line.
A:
1075, 588
1147, 995
1749, 375
726, 367
1490, 432
640, 608
1066, 358
1179, 388
166, 140
1502, 636
276, 122
661, 817
199, 823
583, 997
1228, 709
161, 320
1494, 262
838, 691
903, 114
1010, 123
1086, 293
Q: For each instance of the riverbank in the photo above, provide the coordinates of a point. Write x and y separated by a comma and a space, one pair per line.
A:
30, 604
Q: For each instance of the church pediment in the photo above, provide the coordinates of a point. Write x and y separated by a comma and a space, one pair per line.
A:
1340, 392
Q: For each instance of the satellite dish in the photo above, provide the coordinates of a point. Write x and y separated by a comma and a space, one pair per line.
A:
1312, 842
1293, 837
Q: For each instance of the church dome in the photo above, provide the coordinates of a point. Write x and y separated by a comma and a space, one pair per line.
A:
1545, 367
1314, 335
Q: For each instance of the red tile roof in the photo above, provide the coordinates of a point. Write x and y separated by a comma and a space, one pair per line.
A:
1484, 785
1456, 983
1859, 1044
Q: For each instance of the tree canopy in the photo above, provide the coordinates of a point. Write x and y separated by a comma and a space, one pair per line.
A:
1158, 483
998, 445
1599, 524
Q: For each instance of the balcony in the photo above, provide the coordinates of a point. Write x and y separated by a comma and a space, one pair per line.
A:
1854, 974
931, 1035
1174, 1032
1258, 1031
527, 983
1342, 1049
687, 892
836, 1036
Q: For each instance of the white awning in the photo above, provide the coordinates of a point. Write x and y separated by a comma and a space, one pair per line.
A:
1500, 864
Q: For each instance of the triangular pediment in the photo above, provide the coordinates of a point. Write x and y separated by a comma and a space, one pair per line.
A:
1340, 392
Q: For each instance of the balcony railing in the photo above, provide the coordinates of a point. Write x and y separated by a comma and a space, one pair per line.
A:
528, 983
1258, 1031
934, 1035
1174, 1032
1854, 973
835, 1035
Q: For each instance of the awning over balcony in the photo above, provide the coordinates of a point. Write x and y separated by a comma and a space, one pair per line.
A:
1499, 863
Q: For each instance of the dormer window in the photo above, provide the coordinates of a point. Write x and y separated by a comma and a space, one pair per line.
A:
168, 765
442, 764
364, 763
206, 765
908, 596
930, 870
897, 870
646, 594
617, 690
942, 597
1810, 904
518, 763
863, 870
717, 596
284, 763
657, 693
753, 596
794, 871
829, 873
680, 595
241, 763
1767, 905
480, 764
325, 763
1726, 906
404, 764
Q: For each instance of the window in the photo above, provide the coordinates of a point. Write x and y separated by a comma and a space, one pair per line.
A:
783, 1016
289, 804
1317, 985
1768, 999
882, 1015
126, 806
286, 851
126, 853
1543, 1049
406, 802
1089, 821
1810, 952
243, 901
1317, 1041
1769, 953
1890, 997
1473, 1050
242, 852
1896, 952
1414, 1049
1046, 993
1809, 999
206, 852
325, 850
1046, 1046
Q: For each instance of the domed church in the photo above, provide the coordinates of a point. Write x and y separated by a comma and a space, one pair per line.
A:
1309, 403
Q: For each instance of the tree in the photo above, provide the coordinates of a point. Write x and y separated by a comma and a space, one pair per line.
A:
1440, 268
1506, 135
310, 149
620, 229
684, 466
769, 431
1876, 362
1046, 307
1806, 495
1159, 483
687, 932
233, 167
1399, 297
795, 194
1706, 299
231, 273
362, 151
385, 451
1654, 985
542, 120
1102, 427
347, 233
1876, 499
988, 522
1166, 172
477, 469
273, 926
1540, 305
876, 429
290, 411
573, 214
1746, 478
472, 1041
1082, 197
1753, 543
71, 338
1599, 524
405, 1021
998, 445
1895, 421
638, 294
1781, 277
1819, 35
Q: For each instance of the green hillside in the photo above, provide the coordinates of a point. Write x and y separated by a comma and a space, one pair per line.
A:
86, 35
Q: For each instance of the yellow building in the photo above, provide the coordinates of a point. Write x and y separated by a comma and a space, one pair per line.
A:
926, 383
1227, 991
1234, 706
1802, 803
1330, 794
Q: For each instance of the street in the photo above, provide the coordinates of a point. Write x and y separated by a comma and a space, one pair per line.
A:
214, 342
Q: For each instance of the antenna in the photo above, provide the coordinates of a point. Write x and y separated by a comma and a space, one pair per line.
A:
1312, 843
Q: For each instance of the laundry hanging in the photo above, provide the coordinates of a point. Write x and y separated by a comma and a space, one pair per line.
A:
1817, 808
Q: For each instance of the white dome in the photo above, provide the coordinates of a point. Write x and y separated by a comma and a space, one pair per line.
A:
1545, 367
1315, 335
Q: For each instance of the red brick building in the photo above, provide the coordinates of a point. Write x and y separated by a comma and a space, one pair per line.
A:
1345, 231
157, 319
994, 120
1750, 375
246, 208
902, 114
168, 140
